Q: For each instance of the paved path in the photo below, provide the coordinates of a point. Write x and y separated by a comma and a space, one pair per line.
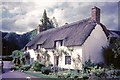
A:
10, 74
7, 64
15, 74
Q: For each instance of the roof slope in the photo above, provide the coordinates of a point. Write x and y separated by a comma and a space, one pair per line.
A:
73, 34
114, 33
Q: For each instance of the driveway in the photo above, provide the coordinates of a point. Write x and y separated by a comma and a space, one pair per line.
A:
6, 66
11, 75
15, 74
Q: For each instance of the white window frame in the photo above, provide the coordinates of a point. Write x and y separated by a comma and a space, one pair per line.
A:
39, 46
58, 43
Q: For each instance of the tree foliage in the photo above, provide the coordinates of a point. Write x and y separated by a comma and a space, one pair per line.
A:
112, 53
44, 19
13, 41
9, 43
17, 57
46, 22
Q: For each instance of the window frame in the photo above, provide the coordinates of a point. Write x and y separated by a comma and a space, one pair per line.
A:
58, 41
27, 48
38, 46
67, 62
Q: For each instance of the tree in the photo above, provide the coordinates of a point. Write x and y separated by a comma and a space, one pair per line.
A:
9, 43
44, 19
17, 57
46, 22
112, 53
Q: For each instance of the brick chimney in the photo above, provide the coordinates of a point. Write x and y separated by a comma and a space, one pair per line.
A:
95, 14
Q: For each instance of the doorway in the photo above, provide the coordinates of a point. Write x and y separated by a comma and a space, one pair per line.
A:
56, 60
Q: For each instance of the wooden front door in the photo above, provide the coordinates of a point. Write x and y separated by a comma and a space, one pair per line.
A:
56, 60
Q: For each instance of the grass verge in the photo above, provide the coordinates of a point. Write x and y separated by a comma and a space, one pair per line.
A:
40, 75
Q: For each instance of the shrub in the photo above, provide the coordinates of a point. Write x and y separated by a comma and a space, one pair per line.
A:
88, 65
17, 56
36, 66
48, 64
25, 67
112, 53
113, 74
15, 67
85, 76
46, 70
67, 74
98, 72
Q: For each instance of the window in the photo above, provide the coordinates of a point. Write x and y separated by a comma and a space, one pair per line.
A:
58, 43
67, 59
27, 48
38, 46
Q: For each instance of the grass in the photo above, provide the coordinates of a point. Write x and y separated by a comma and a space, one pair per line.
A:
40, 75
54, 77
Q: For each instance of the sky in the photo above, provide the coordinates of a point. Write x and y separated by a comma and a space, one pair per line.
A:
21, 16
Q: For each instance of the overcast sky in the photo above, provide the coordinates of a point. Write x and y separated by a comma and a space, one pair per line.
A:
21, 17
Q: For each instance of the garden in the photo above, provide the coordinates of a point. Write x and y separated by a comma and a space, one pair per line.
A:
42, 68
89, 72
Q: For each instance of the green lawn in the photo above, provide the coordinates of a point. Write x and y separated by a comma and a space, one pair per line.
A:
40, 75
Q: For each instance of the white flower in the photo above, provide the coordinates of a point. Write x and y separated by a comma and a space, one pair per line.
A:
64, 48
42, 49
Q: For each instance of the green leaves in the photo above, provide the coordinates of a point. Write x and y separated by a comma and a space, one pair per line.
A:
17, 57
62, 50
44, 55
46, 22
112, 53
17, 54
36, 66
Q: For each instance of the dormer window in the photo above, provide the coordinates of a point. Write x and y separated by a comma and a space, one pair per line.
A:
38, 46
58, 43
27, 48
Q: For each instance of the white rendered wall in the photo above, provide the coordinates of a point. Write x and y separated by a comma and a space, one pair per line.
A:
51, 56
33, 56
92, 48
76, 55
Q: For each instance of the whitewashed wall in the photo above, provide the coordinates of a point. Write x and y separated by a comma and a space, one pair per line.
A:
76, 54
51, 56
33, 55
92, 48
